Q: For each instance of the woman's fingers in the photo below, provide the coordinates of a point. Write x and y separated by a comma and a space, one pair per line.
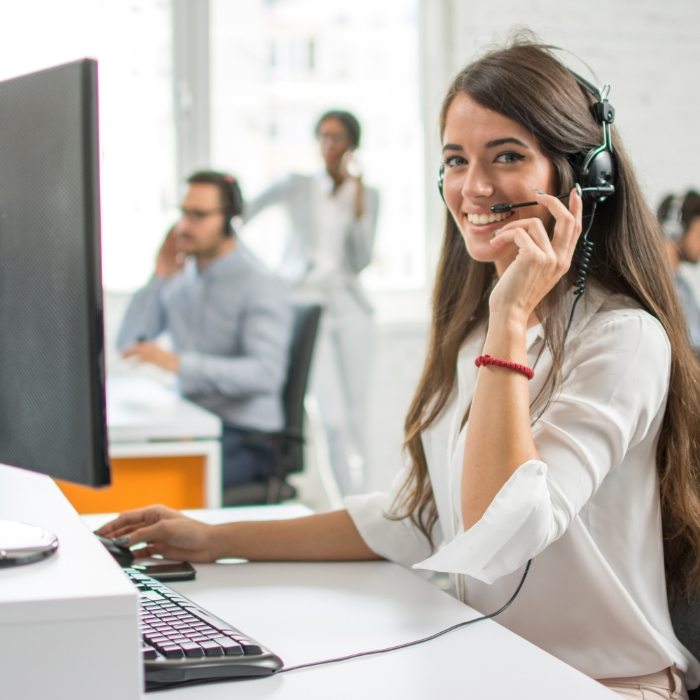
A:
576, 210
174, 539
131, 520
567, 229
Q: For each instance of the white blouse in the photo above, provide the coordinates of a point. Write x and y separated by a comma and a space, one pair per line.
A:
587, 513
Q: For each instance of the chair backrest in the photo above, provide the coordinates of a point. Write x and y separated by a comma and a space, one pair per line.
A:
685, 617
305, 329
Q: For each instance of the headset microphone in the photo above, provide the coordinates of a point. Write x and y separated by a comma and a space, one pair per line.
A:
598, 193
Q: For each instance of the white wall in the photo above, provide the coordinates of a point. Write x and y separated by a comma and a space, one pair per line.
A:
647, 50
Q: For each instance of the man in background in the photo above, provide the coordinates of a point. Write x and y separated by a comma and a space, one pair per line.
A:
679, 216
230, 321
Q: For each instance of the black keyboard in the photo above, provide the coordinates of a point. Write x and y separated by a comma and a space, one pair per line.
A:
183, 643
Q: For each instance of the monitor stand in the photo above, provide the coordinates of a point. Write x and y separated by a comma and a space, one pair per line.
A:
24, 544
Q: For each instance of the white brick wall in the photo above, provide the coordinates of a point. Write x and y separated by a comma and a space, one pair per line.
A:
647, 50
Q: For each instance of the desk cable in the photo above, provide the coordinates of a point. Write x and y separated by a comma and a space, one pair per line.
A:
383, 650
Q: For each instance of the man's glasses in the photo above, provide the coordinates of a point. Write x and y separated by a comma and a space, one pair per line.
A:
196, 215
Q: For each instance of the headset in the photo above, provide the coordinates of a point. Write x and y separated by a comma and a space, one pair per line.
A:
230, 194
672, 223
232, 200
594, 170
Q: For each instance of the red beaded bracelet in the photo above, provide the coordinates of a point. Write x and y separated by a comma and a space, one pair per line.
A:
488, 360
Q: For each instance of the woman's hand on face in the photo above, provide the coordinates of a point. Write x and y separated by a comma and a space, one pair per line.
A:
166, 532
540, 262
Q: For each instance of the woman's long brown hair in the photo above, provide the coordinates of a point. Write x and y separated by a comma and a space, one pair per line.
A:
527, 84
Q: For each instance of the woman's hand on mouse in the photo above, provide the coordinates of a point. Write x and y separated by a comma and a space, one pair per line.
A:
164, 531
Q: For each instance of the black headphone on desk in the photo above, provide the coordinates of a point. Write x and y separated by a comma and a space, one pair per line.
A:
593, 170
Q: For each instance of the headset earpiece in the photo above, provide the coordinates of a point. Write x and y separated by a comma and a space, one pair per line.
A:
233, 201
672, 224
596, 168
441, 181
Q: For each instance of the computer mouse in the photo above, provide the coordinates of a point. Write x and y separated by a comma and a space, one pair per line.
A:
123, 555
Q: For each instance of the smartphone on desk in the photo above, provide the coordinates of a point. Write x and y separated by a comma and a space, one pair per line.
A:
167, 571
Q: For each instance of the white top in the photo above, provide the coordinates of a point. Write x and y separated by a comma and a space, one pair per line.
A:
334, 216
326, 241
588, 512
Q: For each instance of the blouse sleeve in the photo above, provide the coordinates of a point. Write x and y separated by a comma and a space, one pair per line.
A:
361, 233
615, 383
278, 192
399, 541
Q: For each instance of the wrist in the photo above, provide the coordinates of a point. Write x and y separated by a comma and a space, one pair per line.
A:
510, 322
219, 542
506, 338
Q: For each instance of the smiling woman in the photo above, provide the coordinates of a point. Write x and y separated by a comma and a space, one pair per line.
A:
490, 158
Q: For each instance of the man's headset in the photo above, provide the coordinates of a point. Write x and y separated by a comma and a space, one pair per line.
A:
672, 223
232, 200
594, 170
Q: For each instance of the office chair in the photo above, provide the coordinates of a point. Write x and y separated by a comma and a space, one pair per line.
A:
289, 442
685, 618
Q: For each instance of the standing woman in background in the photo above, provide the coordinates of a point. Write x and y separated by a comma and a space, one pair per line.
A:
333, 222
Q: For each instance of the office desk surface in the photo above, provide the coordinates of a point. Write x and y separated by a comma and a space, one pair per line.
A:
141, 409
312, 611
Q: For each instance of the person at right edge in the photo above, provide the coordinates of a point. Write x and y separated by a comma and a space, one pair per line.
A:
679, 216
333, 222
570, 447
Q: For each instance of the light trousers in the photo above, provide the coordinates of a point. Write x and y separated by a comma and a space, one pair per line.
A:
668, 684
340, 382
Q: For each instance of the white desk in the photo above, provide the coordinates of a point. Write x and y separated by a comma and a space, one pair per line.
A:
141, 409
68, 624
309, 611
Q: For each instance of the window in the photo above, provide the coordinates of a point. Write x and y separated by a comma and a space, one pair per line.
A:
277, 65
133, 44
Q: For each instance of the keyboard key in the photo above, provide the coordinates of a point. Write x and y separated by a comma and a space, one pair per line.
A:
171, 651
192, 649
211, 648
249, 647
230, 647
149, 652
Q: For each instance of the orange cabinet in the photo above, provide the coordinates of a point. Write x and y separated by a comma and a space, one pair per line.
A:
175, 481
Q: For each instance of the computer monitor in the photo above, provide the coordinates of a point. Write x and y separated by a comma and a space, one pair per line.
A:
52, 375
